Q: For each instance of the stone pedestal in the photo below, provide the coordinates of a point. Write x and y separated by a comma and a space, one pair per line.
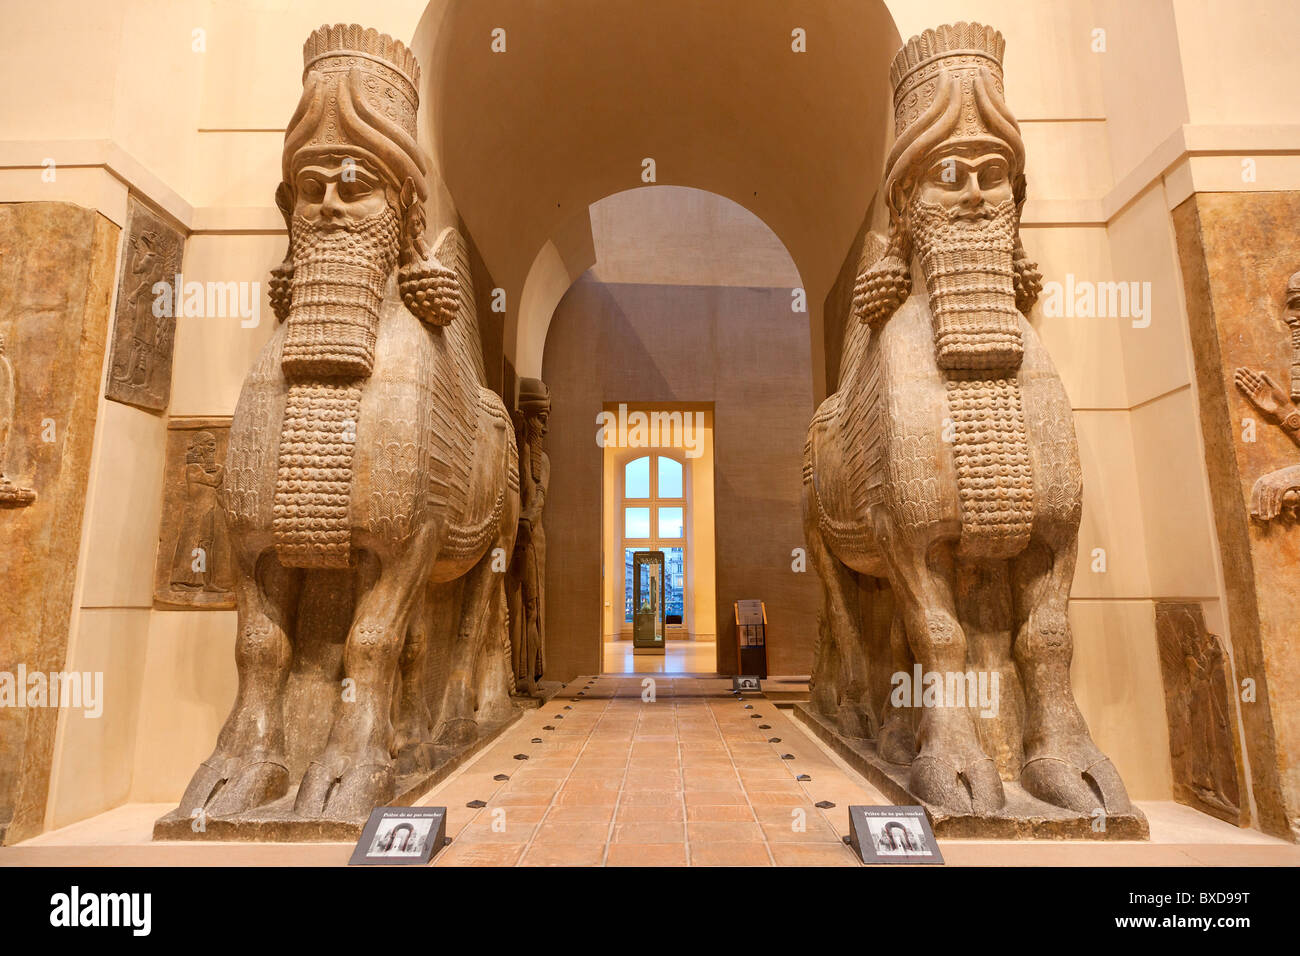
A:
1023, 816
277, 823
546, 689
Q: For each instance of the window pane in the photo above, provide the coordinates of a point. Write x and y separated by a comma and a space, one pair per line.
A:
636, 479
670, 478
674, 584
636, 522
670, 522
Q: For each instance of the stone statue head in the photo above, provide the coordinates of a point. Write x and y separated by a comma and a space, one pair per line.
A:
352, 195
202, 449
535, 403
1293, 293
954, 185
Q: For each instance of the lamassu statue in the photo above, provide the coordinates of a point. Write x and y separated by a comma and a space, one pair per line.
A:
365, 452
947, 465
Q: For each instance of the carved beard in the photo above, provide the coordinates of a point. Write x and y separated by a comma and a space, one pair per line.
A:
533, 432
338, 283
969, 275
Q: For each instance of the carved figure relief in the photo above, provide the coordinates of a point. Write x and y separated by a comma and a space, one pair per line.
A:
140, 364
947, 466
1276, 495
195, 567
12, 494
370, 476
527, 583
1199, 702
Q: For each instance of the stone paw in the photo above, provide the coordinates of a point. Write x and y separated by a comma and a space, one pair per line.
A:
1076, 776
975, 789
223, 786
337, 788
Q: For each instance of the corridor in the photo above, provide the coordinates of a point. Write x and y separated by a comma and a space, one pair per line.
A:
689, 778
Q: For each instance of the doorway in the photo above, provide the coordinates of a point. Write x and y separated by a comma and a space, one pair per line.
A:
658, 498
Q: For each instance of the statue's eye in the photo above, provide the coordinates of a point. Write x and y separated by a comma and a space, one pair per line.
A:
993, 175
948, 175
354, 190
312, 189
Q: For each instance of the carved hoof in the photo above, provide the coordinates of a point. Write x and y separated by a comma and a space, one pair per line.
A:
977, 789
224, 787
853, 721
414, 757
1058, 781
336, 790
897, 741
458, 732
205, 782
253, 785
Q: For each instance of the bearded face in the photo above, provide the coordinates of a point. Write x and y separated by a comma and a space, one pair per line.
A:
344, 241
963, 219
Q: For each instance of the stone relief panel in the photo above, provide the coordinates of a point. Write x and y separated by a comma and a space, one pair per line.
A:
140, 362
12, 493
1276, 495
56, 269
1238, 254
1200, 703
195, 567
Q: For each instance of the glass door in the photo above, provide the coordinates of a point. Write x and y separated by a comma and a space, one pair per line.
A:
654, 516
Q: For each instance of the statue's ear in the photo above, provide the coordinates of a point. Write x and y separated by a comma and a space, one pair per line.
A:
284, 201
413, 248
408, 193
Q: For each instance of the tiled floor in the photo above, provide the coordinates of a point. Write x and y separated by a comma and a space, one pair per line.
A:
688, 776
679, 657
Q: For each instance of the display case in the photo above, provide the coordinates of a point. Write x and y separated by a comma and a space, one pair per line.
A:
648, 608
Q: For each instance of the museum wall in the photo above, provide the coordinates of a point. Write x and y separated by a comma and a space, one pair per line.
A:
1116, 140
675, 310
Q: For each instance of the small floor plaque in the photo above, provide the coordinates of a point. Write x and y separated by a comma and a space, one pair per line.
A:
746, 682
401, 835
892, 835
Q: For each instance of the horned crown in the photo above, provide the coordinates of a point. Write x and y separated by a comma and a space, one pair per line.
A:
360, 98
948, 90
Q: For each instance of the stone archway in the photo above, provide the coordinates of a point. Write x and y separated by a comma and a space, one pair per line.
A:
529, 126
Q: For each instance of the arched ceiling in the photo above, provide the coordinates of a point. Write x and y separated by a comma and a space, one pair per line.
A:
587, 89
